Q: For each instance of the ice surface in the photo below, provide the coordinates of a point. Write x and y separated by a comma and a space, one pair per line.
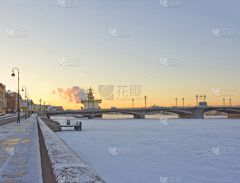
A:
153, 150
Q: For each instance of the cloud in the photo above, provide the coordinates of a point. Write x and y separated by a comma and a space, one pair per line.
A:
74, 94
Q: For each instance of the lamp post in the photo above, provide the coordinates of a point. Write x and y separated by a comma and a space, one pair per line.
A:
13, 75
224, 102
230, 102
145, 97
40, 104
25, 91
197, 99
176, 101
183, 101
133, 103
25, 100
204, 98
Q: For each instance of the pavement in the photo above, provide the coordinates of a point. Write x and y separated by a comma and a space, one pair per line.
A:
20, 159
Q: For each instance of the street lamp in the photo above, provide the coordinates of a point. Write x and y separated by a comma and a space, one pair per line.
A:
25, 100
13, 75
25, 91
145, 100
197, 99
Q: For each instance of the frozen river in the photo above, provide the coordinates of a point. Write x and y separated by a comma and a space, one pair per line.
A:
159, 150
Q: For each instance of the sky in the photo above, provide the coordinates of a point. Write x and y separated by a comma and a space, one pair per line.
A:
123, 49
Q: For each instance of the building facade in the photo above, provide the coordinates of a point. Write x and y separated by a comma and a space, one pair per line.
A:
2, 99
91, 102
12, 102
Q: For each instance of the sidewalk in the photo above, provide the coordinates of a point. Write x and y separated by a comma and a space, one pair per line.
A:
19, 152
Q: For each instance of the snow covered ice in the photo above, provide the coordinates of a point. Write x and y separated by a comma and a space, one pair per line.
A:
153, 150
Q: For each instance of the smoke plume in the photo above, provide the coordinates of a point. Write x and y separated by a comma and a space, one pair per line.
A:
72, 94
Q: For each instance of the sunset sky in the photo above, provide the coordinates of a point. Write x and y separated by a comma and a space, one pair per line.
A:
170, 51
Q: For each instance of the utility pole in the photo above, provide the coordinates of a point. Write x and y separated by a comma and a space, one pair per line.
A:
133, 103
230, 102
224, 102
145, 100
197, 99
183, 101
176, 101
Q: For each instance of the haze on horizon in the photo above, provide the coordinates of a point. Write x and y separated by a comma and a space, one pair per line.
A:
168, 50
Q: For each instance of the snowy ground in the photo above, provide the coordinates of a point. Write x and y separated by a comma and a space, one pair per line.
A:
19, 152
153, 150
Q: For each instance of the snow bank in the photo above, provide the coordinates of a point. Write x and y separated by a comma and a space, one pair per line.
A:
67, 165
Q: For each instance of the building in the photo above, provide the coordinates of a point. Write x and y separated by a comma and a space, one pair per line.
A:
91, 102
12, 102
56, 108
2, 99
27, 106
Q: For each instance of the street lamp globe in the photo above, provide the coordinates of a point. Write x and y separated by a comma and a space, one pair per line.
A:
13, 75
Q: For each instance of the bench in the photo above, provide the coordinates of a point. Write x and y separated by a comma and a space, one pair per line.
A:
77, 126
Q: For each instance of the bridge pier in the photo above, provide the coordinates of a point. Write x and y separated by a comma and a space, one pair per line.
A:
198, 113
185, 116
138, 116
233, 116
90, 117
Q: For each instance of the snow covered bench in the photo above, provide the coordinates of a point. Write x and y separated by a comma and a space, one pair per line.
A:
67, 165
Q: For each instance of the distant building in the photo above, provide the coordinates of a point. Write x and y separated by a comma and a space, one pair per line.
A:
202, 103
56, 108
91, 102
154, 106
12, 102
2, 99
27, 106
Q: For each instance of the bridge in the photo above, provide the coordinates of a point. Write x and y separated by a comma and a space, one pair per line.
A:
196, 112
